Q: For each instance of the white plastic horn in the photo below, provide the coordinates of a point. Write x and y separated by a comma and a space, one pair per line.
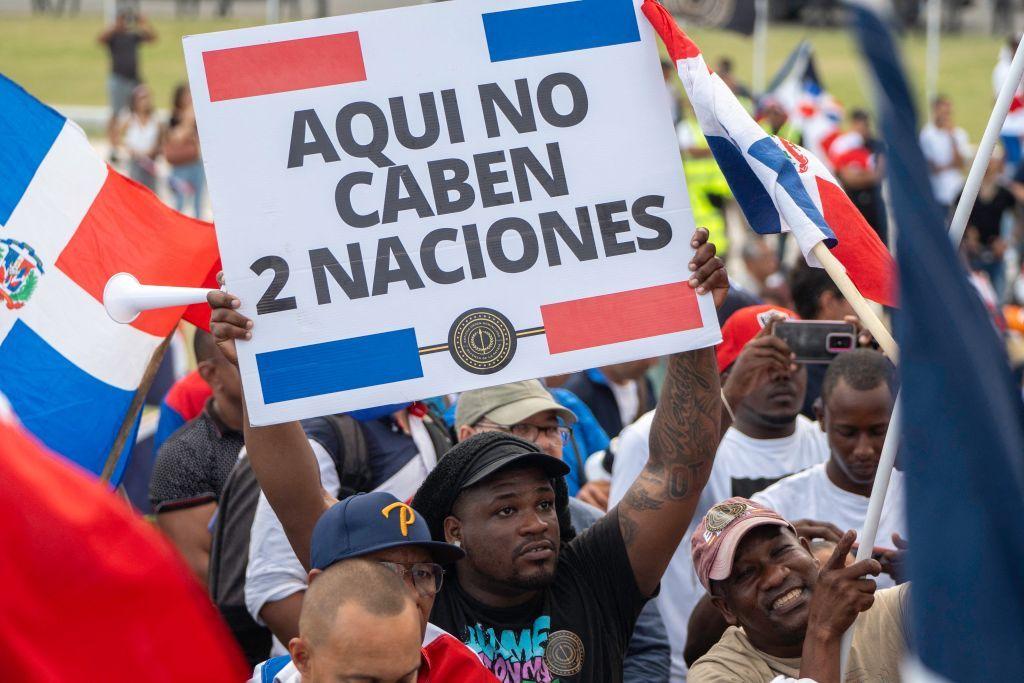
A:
124, 298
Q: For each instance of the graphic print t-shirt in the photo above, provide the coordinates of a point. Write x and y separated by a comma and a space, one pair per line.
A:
576, 630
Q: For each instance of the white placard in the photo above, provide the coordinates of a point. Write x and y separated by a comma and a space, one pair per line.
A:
435, 198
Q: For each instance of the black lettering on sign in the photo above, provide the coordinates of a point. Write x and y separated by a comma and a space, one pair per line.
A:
553, 181
269, 303
321, 144
322, 262
496, 249
476, 255
428, 255
372, 150
611, 228
442, 185
399, 177
452, 118
648, 220
487, 178
553, 227
546, 105
431, 124
384, 274
522, 119
343, 200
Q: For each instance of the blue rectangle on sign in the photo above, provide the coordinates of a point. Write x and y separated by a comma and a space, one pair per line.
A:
562, 27
27, 131
341, 365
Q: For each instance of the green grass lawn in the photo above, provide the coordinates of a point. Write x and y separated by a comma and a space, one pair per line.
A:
59, 60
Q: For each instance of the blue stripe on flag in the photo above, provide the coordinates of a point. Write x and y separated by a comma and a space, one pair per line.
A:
563, 27
68, 409
768, 153
341, 365
757, 205
27, 131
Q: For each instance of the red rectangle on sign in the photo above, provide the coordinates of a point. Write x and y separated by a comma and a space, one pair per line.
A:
284, 66
619, 317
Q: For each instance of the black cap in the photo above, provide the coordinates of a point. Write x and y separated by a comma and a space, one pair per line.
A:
505, 451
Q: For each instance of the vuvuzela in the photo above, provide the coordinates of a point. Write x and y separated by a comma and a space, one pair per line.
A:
124, 298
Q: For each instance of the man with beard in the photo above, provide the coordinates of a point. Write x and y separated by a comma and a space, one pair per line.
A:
544, 604
854, 411
786, 611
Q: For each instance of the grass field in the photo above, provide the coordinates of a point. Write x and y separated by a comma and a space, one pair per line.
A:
59, 60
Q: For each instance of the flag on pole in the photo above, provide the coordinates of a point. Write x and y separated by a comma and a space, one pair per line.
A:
812, 110
963, 421
92, 592
67, 223
780, 186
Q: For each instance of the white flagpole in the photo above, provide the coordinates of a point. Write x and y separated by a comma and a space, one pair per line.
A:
988, 143
867, 535
932, 51
760, 45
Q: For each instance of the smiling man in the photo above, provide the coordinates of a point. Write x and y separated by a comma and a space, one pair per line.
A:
786, 611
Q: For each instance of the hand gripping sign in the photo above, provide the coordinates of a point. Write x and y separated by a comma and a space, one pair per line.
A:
430, 199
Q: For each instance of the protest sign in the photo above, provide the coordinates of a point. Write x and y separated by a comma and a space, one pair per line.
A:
435, 198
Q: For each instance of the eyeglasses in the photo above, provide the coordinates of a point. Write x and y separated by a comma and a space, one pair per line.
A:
530, 432
427, 577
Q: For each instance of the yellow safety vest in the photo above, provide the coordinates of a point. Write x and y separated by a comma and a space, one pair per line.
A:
705, 180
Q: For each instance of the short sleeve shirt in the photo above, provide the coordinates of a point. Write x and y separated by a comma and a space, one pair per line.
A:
124, 54
577, 629
193, 464
879, 642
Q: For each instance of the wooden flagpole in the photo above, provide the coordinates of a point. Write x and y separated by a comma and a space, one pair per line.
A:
125, 430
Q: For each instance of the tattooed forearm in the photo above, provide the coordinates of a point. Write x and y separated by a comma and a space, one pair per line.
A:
685, 431
655, 512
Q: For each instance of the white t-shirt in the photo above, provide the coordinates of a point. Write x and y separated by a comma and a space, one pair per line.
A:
937, 145
742, 464
627, 398
812, 495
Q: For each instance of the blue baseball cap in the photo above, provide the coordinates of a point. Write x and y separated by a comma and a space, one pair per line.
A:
366, 522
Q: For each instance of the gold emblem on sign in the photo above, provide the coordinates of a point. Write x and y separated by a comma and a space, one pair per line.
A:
482, 341
564, 653
719, 516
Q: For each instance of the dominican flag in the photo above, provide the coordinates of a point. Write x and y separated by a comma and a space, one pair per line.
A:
68, 222
781, 187
800, 92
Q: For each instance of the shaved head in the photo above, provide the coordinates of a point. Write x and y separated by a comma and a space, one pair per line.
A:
358, 622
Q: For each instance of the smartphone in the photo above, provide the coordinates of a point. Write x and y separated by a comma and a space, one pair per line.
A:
816, 341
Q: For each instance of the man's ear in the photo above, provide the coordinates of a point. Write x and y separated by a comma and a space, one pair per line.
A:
299, 649
208, 371
819, 412
453, 530
313, 573
464, 432
826, 302
723, 608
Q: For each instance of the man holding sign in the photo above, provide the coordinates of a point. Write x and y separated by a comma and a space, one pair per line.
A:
444, 197
533, 601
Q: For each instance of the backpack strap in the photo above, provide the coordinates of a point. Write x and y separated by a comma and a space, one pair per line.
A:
353, 465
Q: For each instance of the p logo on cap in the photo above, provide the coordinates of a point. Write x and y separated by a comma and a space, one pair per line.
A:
406, 515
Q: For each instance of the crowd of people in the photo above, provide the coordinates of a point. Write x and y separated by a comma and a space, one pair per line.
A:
666, 519
151, 150
658, 520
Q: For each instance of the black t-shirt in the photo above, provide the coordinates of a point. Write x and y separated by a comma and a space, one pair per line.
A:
987, 214
124, 54
576, 630
193, 464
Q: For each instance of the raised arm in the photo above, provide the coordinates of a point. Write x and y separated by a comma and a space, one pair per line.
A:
657, 508
280, 455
